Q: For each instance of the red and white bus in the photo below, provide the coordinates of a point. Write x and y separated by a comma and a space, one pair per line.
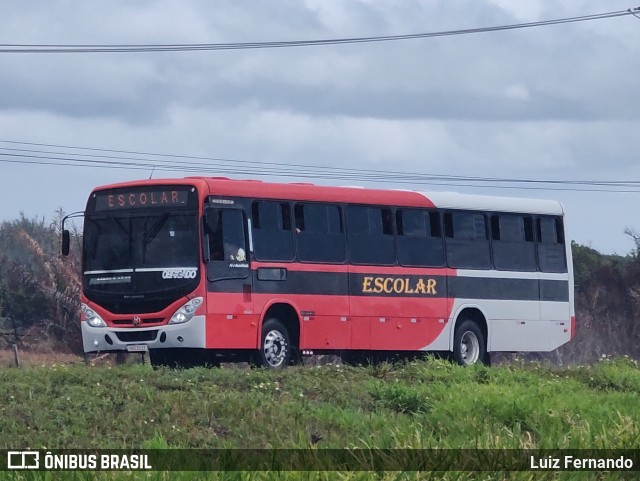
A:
199, 268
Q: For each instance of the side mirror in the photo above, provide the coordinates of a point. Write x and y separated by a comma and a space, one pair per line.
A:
66, 237
66, 242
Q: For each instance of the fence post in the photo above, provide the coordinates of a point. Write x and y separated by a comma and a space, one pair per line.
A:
15, 355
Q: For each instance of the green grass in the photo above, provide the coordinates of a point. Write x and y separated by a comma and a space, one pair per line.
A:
425, 404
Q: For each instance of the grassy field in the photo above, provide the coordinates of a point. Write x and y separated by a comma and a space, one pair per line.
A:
424, 404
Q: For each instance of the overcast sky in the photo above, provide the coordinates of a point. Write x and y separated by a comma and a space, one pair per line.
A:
555, 102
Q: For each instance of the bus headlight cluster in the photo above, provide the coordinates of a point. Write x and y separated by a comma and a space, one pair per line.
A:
92, 317
186, 312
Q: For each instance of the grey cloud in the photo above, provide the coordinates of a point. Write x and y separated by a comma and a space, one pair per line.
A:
553, 102
453, 78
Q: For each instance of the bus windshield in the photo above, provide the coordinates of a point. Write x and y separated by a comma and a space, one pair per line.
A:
141, 252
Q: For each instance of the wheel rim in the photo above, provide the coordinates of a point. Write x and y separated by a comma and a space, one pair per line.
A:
275, 348
469, 348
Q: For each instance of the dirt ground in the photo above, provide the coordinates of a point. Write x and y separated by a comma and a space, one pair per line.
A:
35, 358
38, 345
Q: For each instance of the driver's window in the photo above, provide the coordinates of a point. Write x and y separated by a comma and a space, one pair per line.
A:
226, 231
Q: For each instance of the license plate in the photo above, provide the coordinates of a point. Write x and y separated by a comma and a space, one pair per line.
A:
137, 348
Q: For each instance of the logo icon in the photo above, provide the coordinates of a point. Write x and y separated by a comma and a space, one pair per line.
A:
136, 320
23, 460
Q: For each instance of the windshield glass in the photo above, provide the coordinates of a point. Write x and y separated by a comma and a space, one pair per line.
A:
150, 252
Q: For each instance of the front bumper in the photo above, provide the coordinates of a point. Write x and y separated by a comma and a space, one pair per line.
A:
190, 334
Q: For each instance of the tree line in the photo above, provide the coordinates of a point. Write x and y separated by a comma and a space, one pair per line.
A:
40, 294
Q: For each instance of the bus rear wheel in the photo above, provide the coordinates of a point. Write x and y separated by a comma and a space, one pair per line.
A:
468, 344
275, 345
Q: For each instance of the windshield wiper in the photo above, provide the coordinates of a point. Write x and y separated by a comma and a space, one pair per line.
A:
152, 233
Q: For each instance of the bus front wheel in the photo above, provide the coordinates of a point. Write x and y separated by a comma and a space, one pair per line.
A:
468, 344
275, 345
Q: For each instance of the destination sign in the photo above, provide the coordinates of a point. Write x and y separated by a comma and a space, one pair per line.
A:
142, 198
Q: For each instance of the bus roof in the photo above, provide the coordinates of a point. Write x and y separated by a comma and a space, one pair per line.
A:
455, 200
222, 186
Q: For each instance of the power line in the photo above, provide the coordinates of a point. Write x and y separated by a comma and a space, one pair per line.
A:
241, 164
189, 47
135, 160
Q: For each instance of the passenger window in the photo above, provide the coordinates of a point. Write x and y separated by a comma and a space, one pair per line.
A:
551, 244
513, 242
467, 243
319, 233
419, 238
370, 235
271, 229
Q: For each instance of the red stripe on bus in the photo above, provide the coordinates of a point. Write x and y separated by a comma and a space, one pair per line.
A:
318, 193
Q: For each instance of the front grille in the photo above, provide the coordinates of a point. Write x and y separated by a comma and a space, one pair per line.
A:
129, 322
137, 336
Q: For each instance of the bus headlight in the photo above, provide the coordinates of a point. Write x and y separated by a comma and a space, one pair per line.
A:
92, 317
186, 312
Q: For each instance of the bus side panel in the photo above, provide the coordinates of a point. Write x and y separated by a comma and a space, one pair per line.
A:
329, 326
390, 330
231, 323
539, 336
320, 298
523, 312
555, 298
403, 309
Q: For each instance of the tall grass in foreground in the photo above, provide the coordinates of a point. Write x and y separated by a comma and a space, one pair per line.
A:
425, 404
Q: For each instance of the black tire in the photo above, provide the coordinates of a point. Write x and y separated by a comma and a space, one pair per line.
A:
274, 351
469, 345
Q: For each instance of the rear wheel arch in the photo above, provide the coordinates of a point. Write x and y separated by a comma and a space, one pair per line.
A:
470, 332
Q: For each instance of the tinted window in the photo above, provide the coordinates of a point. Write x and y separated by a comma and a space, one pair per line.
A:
162, 240
319, 233
225, 230
419, 238
271, 229
151, 244
466, 240
513, 242
551, 248
370, 236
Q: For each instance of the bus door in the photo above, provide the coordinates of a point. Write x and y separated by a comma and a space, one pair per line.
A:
231, 322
